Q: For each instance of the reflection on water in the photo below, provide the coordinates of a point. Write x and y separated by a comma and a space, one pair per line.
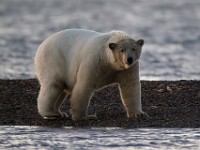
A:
25, 137
170, 29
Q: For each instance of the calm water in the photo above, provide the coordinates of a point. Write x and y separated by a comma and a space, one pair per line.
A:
171, 29
24, 137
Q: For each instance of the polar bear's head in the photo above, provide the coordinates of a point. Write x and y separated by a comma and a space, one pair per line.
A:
126, 52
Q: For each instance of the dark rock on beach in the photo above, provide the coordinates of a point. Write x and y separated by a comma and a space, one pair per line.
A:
174, 104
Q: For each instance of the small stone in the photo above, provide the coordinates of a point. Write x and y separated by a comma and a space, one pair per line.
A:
169, 89
161, 90
153, 107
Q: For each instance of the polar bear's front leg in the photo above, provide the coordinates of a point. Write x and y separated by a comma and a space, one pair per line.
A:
79, 103
130, 93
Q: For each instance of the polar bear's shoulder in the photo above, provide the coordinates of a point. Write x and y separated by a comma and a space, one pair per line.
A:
116, 36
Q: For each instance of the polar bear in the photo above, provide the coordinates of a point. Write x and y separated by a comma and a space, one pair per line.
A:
76, 62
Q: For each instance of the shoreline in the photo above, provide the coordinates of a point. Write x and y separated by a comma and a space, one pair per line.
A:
170, 104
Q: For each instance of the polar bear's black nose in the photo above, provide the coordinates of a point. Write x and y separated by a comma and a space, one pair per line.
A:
130, 60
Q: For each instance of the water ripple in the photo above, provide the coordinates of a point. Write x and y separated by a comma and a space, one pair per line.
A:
23, 137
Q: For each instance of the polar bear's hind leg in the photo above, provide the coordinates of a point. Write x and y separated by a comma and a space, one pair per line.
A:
49, 101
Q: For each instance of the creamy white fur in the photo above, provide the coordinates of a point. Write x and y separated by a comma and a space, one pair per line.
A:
77, 62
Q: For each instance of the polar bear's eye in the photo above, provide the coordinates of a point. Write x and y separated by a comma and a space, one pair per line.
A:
122, 50
133, 49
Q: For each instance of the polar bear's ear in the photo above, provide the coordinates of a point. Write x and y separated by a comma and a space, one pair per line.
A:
112, 46
140, 42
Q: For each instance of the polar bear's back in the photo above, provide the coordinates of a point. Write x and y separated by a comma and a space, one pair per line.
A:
74, 36
71, 41
66, 39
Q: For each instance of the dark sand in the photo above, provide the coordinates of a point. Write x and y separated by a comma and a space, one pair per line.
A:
174, 104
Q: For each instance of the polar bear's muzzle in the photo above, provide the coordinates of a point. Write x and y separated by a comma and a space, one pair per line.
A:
129, 60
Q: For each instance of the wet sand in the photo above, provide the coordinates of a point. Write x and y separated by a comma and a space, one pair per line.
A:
174, 104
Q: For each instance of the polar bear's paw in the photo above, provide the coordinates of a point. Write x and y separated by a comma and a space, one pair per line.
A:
138, 115
52, 117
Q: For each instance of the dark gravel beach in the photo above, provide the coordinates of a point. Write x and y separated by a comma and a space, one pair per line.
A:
174, 104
